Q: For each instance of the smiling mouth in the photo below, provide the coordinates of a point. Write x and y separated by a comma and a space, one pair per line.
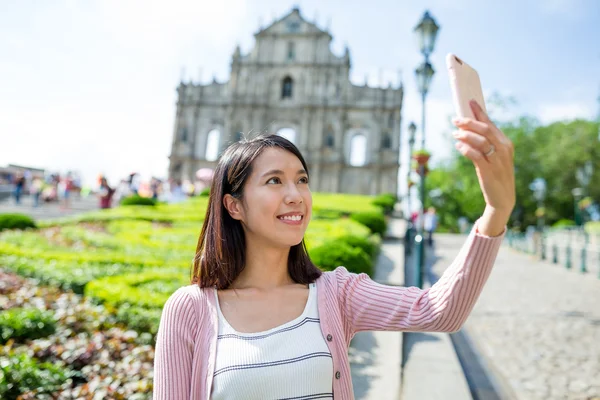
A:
295, 218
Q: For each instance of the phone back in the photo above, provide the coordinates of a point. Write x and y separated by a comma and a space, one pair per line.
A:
465, 85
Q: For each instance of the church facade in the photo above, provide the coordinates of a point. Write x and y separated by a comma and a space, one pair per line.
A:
292, 84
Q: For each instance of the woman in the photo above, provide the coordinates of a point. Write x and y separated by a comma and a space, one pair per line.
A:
105, 194
261, 321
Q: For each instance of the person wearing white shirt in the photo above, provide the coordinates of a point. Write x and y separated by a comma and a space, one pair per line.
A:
430, 224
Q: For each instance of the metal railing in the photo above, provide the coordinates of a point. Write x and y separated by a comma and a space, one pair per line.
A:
571, 247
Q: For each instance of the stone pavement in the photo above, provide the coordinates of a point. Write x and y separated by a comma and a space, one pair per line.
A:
49, 210
537, 325
376, 357
431, 368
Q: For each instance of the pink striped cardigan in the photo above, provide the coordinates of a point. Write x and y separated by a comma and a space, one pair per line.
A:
348, 303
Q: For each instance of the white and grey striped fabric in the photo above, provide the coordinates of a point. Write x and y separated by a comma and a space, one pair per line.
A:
291, 361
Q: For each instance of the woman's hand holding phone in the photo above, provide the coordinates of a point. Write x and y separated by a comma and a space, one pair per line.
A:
492, 153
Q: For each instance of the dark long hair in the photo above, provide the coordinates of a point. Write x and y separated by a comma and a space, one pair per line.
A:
221, 250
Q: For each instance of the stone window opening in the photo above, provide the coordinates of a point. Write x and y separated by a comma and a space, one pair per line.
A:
358, 150
286, 90
212, 145
386, 142
184, 135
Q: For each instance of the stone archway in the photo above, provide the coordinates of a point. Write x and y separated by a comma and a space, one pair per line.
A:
212, 145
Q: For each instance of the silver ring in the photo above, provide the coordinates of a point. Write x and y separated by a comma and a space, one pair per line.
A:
491, 151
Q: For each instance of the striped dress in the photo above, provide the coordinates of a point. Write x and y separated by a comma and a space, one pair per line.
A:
291, 361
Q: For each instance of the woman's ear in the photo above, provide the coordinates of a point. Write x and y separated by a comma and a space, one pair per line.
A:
232, 206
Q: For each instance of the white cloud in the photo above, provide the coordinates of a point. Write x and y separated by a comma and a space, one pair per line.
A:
548, 113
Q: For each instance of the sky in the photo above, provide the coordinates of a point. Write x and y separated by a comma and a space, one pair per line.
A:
90, 85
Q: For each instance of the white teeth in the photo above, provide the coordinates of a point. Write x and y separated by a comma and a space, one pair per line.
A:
292, 218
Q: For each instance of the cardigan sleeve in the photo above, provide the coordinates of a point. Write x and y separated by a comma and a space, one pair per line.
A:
174, 347
444, 307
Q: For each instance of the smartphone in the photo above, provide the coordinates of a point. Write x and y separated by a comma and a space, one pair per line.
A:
465, 85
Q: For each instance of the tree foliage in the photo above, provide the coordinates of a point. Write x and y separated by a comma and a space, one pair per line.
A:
554, 152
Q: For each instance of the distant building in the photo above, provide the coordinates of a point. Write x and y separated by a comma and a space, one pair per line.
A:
292, 84
8, 173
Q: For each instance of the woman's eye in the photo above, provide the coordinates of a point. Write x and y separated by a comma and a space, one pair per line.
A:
277, 180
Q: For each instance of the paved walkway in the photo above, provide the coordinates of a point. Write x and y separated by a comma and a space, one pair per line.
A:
376, 357
536, 324
49, 210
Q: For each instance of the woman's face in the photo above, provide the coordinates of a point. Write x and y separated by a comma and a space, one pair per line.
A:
277, 202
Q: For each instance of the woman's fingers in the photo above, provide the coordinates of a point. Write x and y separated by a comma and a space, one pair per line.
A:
474, 140
480, 115
470, 152
479, 127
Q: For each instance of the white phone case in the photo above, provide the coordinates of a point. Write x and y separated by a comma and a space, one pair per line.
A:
465, 85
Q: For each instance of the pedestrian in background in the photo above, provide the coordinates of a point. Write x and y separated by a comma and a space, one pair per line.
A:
106, 193
430, 224
19, 183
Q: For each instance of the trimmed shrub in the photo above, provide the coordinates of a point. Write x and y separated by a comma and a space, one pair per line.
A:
26, 323
386, 202
146, 289
140, 319
343, 203
136, 200
67, 275
561, 223
16, 221
374, 221
368, 245
333, 254
22, 375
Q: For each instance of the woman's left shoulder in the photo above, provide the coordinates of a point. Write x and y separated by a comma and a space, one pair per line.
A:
332, 279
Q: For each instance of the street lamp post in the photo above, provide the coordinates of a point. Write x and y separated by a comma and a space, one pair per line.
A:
577, 193
426, 33
412, 129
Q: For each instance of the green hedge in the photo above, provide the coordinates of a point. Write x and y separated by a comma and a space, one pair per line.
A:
136, 200
67, 275
386, 202
16, 221
375, 221
333, 254
368, 245
21, 374
149, 259
140, 319
561, 223
344, 204
146, 289
26, 323
137, 299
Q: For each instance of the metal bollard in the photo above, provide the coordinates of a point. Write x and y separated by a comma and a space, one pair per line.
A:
554, 253
568, 264
582, 267
543, 248
408, 239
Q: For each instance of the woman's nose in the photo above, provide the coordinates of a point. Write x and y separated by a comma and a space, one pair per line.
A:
293, 195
